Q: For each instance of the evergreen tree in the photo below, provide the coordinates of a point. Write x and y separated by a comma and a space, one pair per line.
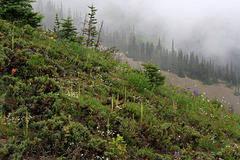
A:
57, 24
215, 77
146, 58
180, 64
115, 38
227, 73
123, 42
197, 67
220, 72
68, 30
206, 72
156, 54
154, 74
19, 11
165, 59
180, 59
91, 31
232, 75
142, 50
159, 46
185, 62
173, 59
132, 46
151, 51
192, 63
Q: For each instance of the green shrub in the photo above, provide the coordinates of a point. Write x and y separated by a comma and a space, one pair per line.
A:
39, 94
154, 74
54, 133
60, 135
116, 148
138, 81
16, 149
28, 29
207, 144
147, 153
75, 133
175, 148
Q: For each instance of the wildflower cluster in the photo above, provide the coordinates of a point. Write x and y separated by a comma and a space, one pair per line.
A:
195, 92
176, 153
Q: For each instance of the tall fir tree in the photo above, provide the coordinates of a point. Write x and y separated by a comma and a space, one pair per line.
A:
142, 50
91, 31
122, 42
232, 75
68, 30
147, 48
227, 73
151, 51
159, 46
132, 46
191, 65
20, 11
57, 24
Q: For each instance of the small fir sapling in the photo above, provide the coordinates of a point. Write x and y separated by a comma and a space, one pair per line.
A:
68, 30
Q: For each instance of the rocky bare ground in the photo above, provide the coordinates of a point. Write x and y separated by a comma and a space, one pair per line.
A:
218, 91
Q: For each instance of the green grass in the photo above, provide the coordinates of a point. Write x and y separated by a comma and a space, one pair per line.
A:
83, 104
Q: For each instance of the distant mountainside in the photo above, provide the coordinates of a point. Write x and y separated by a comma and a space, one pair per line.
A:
219, 91
190, 62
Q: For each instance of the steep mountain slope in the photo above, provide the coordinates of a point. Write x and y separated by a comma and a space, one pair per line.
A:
60, 99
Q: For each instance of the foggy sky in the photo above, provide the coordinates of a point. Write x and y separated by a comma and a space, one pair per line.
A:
208, 27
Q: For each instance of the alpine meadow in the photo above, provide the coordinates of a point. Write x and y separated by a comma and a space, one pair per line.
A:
66, 94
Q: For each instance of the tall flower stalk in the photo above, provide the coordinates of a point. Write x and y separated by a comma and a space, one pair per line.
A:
79, 91
141, 112
125, 94
27, 121
112, 102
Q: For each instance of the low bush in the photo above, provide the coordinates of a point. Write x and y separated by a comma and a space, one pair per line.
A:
138, 81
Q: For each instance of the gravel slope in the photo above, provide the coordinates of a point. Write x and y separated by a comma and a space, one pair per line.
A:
218, 91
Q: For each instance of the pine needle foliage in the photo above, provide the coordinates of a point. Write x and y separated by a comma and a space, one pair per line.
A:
91, 31
154, 74
68, 30
57, 23
20, 11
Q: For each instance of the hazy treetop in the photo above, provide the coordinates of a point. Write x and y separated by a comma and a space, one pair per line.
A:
207, 26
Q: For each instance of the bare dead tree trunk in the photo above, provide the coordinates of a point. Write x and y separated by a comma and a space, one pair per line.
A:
99, 36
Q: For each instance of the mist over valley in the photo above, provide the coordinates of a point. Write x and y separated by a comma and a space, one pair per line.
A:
209, 28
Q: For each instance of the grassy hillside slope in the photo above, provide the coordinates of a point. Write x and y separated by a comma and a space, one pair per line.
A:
59, 99
221, 92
